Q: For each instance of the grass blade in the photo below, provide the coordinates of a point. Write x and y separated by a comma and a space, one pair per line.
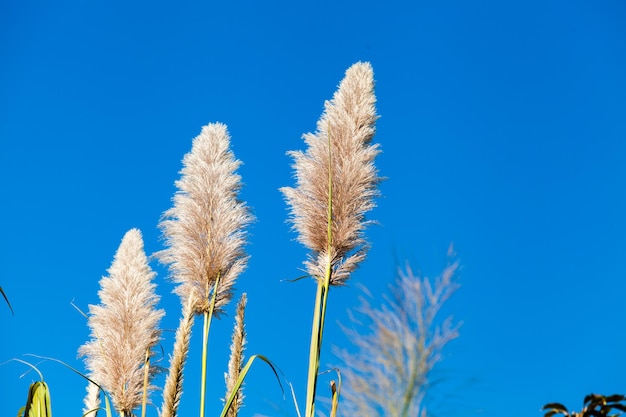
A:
242, 376
7, 300
38, 401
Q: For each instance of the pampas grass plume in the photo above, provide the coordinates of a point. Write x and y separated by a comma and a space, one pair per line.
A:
205, 229
341, 144
124, 325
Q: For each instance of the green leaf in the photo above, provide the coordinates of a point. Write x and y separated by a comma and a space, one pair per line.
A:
64, 364
92, 413
107, 404
38, 401
242, 376
297, 279
106, 394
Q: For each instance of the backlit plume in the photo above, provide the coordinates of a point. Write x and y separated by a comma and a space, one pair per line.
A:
124, 326
341, 144
205, 229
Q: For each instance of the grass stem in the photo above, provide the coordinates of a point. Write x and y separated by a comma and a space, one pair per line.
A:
205, 346
321, 299
146, 373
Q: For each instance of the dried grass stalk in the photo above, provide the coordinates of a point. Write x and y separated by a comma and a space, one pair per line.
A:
205, 229
173, 389
124, 325
235, 362
339, 162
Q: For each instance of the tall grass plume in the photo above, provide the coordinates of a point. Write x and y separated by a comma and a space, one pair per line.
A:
336, 185
337, 174
124, 326
205, 230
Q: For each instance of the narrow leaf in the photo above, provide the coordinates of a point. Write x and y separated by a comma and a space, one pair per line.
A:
7, 300
29, 364
615, 398
555, 406
554, 412
107, 404
242, 376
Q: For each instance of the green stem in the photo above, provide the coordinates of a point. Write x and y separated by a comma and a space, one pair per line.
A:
314, 353
321, 299
205, 346
319, 316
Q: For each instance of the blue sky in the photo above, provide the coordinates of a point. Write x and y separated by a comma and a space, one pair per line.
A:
502, 128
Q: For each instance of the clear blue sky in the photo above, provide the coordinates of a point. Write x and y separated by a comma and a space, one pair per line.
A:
503, 130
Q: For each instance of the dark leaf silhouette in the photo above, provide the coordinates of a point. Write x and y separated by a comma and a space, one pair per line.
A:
594, 405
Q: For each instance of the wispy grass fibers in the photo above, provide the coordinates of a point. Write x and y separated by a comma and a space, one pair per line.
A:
336, 184
205, 230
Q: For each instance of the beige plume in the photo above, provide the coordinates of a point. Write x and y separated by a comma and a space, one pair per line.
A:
341, 144
173, 389
124, 325
204, 230
92, 401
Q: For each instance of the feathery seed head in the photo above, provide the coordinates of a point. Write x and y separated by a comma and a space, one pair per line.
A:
205, 229
124, 326
339, 161
91, 401
235, 362
173, 389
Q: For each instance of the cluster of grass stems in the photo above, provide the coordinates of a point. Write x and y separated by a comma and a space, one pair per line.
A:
205, 234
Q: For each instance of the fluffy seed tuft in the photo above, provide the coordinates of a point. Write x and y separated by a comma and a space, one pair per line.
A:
124, 325
341, 144
205, 229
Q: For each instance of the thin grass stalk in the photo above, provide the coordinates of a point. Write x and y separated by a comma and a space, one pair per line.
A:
235, 361
205, 345
409, 393
146, 373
